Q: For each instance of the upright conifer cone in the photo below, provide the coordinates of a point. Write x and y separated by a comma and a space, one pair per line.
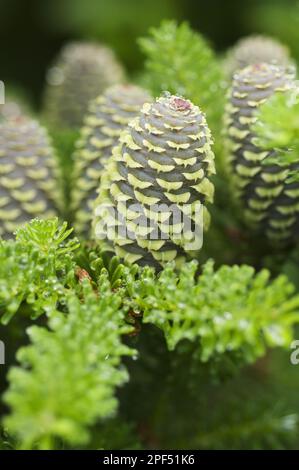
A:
269, 200
256, 49
157, 184
82, 71
28, 185
107, 117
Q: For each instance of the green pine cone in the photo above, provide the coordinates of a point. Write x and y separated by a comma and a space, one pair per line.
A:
256, 49
82, 71
28, 174
156, 185
108, 115
269, 200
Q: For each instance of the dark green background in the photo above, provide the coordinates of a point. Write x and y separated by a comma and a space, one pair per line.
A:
32, 31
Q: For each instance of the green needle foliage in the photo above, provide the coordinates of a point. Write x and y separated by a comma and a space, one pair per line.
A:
231, 310
63, 393
278, 127
102, 261
64, 140
67, 378
37, 269
181, 61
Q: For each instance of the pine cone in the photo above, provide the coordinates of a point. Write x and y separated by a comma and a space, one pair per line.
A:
156, 183
82, 71
254, 50
107, 117
27, 174
269, 201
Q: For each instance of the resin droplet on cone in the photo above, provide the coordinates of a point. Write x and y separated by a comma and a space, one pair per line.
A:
155, 182
82, 71
270, 202
108, 115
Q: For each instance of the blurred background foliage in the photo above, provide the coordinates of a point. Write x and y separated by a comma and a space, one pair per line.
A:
32, 32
